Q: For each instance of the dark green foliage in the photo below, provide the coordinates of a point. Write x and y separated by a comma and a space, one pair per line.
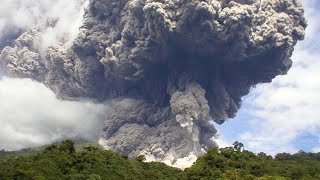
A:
236, 163
63, 161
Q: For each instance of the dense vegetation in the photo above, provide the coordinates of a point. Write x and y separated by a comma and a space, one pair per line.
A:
65, 161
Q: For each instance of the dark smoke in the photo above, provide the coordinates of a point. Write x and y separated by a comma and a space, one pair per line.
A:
169, 66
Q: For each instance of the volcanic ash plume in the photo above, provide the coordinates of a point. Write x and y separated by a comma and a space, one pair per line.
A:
167, 67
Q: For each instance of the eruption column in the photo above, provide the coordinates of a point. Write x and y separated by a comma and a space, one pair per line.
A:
167, 67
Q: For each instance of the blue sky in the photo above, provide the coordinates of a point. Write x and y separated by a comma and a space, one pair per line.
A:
283, 116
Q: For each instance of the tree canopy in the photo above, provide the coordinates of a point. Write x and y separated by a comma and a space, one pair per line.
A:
63, 161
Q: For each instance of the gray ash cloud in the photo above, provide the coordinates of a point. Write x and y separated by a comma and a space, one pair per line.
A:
167, 66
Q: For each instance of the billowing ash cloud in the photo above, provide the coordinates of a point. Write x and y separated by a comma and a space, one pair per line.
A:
168, 66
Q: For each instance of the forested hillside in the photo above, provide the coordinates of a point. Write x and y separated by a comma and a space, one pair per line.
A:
64, 161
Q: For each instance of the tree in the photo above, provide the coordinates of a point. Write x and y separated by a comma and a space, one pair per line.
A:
238, 146
67, 147
61, 161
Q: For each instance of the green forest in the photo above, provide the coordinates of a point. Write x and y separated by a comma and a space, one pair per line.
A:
67, 161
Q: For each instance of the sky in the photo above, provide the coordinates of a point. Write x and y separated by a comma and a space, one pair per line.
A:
277, 117
283, 116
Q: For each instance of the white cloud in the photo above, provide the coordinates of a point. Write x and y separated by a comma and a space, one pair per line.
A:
31, 115
289, 106
316, 149
18, 15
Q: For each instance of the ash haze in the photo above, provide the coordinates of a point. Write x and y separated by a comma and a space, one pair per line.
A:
165, 68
